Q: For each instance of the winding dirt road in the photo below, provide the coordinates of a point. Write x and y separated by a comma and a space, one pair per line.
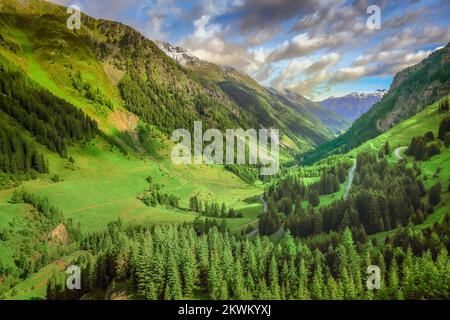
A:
351, 175
397, 153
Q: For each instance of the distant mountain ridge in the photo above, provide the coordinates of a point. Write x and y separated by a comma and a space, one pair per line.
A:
125, 81
335, 122
353, 105
301, 115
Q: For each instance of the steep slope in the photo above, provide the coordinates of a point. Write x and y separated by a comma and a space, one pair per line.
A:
411, 90
34, 111
400, 135
307, 108
353, 105
114, 74
297, 119
107, 67
180, 55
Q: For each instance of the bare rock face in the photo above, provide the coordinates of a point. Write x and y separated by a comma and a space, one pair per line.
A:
180, 55
59, 235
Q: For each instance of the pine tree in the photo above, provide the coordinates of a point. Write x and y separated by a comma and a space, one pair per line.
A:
187, 270
157, 267
317, 286
314, 198
332, 289
394, 290
434, 194
273, 279
173, 279
444, 127
238, 282
447, 139
262, 292
387, 148
223, 210
214, 282
302, 292
223, 295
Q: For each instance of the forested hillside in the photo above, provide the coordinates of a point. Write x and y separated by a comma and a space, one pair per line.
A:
412, 90
173, 263
306, 122
114, 71
52, 121
86, 177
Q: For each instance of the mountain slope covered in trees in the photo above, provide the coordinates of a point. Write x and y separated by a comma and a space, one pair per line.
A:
84, 121
412, 90
110, 70
303, 117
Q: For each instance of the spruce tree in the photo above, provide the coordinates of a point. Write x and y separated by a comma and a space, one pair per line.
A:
273, 279
173, 279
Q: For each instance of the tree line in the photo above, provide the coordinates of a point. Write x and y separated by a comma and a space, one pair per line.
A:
213, 209
18, 155
52, 121
153, 196
383, 197
285, 197
174, 262
171, 107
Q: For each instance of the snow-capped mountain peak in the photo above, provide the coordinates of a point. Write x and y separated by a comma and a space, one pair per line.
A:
376, 93
180, 55
353, 105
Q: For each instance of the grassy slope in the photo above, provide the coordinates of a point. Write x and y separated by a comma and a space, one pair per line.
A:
412, 90
48, 73
400, 136
107, 183
105, 186
35, 286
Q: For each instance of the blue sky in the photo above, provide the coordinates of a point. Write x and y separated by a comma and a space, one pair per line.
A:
317, 48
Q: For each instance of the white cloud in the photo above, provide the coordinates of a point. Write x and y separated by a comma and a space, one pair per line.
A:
301, 45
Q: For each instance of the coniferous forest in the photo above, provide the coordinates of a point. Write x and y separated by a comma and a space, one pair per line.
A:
90, 191
174, 262
52, 121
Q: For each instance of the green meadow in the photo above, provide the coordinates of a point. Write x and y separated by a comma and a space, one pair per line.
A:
400, 135
105, 185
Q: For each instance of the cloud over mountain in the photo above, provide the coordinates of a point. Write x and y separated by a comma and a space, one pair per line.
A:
315, 47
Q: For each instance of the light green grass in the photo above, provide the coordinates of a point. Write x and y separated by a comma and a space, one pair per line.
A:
250, 213
35, 71
106, 185
326, 200
401, 135
35, 286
